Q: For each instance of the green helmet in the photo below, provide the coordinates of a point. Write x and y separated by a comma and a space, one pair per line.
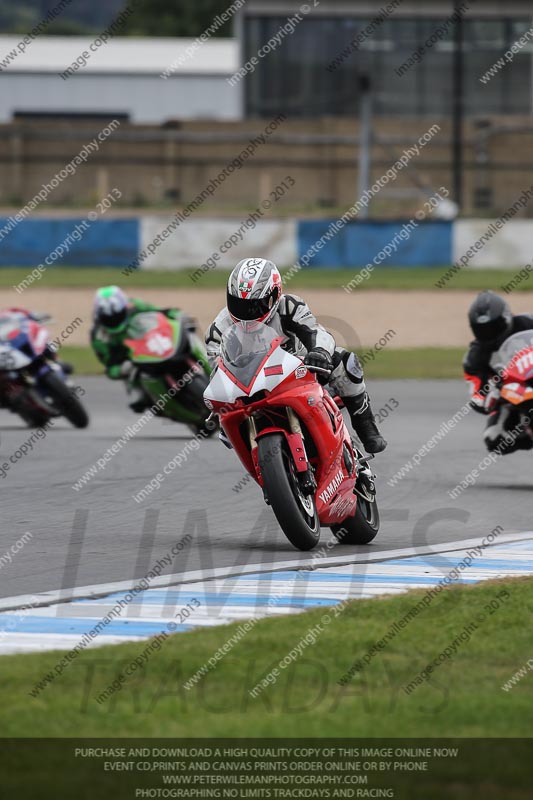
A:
110, 308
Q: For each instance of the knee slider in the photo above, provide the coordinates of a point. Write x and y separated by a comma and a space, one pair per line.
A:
353, 367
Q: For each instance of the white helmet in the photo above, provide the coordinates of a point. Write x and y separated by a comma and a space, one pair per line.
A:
254, 291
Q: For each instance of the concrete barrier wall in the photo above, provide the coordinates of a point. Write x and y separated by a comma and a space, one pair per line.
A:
485, 244
222, 242
163, 242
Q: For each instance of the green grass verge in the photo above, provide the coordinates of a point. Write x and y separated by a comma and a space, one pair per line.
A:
423, 362
83, 360
461, 698
386, 278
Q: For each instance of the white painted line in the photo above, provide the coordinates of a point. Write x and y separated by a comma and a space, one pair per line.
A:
37, 643
40, 599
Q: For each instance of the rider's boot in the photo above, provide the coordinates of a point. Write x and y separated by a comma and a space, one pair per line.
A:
364, 423
138, 400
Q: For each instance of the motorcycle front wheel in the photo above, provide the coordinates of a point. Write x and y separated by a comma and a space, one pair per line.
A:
295, 512
64, 400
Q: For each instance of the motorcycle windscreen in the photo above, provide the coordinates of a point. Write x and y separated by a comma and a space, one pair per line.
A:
512, 350
16, 349
244, 352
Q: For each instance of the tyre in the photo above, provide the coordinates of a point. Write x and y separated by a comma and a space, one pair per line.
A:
33, 419
362, 527
29, 406
65, 401
192, 396
295, 512
193, 393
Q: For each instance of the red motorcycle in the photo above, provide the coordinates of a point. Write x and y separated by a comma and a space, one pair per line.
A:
513, 362
290, 435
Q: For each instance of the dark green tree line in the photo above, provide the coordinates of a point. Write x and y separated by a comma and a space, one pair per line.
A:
85, 17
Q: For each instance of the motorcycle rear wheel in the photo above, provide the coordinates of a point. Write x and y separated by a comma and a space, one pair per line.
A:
29, 406
33, 419
362, 527
295, 512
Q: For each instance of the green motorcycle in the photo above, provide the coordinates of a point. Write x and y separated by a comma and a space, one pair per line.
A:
171, 367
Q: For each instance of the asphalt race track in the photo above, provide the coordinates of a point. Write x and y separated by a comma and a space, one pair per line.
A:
100, 534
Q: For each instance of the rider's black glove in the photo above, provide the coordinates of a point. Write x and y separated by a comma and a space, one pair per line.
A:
319, 361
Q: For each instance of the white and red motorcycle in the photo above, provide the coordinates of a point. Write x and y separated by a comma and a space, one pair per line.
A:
290, 435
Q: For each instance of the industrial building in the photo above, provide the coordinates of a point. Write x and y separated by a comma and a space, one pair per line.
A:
124, 79
185, 108
316, 70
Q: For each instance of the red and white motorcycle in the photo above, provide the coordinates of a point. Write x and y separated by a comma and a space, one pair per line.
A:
33, 383
290, 435
513, 395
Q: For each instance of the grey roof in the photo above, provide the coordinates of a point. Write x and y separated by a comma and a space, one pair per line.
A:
123, 55
423, 8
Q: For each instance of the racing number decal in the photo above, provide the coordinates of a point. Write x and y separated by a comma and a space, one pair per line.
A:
159, 344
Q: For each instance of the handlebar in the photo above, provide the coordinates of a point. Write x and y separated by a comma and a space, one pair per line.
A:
321, 370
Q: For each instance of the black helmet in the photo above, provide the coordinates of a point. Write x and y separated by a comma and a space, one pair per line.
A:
490, 318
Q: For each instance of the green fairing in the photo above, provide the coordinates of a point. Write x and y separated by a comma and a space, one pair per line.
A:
156, 388
199, 352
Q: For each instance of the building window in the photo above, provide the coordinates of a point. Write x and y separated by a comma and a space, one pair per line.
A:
294, 78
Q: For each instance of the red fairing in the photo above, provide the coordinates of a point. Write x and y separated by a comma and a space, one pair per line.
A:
520, 368
317, 411
476, 382
38, 336
157, 342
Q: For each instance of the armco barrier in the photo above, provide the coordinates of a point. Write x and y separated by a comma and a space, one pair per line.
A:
106, 243
119, 242
357, 244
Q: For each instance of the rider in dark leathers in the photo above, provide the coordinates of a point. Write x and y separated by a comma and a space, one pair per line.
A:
492, 322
